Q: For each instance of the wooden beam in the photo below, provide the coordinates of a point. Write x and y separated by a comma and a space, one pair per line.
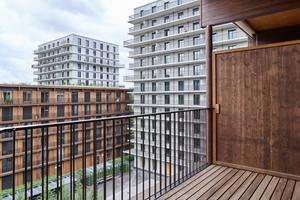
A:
244, 26
209, 45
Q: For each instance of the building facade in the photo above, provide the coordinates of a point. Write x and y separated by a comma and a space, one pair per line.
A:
30, 105
77, 60
168, 48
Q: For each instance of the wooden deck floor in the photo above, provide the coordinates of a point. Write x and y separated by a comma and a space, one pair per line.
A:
219, 182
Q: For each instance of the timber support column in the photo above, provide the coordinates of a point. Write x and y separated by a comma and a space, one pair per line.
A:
209, 105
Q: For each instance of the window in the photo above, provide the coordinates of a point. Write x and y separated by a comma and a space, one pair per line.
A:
168, 152
60, 111
79, 57
74, 110
153, 48
6, 165
114, 49
195, 11
180, 43
28, 175
86, 109
87, 52
118, 107
87, 97
154, 73
196, 26
74, 97
166, 5
108, 96
214, 37
181, 99
153, 61
141, 25
98, 96
94, 44
142, 50
98, 109
101, 46
153, 35
167, 59
196, 99
142, 74
142, 99
6, 96
118, 140
196, 55
232, 47
231, 34
142, 38
196, 70
153, 99
142, 13
153, 110
142, 87
181, 85
108, 108
7, 148
180, 15
167, 86
7, 114
60, 97
143, 62
196, 40
167, 32
167, 45
180, 71
179, 2
180, 57
181, 126
76, 150
87, 43
78, 74
28, 159
181, 141
181, 155
27, 112
180, 29
196, 84
6, 134
153, 9
154, 86
167, 99
166, 19
142, 110
79, 41
26, 97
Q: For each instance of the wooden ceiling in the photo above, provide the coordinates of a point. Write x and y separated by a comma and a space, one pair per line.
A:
277, 20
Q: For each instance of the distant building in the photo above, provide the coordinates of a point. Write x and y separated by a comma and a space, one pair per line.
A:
31, 105
77, 60
168, 48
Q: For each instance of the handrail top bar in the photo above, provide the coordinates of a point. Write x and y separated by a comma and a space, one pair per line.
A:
19, 128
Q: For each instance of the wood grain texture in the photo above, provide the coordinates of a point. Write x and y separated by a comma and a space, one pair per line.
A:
279, 189
258, 93
215, 12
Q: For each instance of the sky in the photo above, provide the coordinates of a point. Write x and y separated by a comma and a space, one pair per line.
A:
25, 24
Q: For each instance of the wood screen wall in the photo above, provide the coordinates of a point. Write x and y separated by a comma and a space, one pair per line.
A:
258, 124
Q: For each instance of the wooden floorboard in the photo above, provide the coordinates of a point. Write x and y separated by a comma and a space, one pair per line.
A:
219, 182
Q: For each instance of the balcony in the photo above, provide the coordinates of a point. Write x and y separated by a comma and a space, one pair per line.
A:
85, 170
63, 43
160, 88
160, 10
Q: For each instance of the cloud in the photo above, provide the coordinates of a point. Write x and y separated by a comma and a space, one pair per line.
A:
26, 24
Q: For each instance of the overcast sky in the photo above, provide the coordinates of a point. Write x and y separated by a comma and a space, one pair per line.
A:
25, 24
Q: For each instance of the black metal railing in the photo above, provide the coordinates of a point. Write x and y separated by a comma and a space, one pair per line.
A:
88, 164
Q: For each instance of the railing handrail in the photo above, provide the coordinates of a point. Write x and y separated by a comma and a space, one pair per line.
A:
19, 128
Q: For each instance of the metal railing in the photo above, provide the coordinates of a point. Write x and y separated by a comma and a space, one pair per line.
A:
68, 166
172, 88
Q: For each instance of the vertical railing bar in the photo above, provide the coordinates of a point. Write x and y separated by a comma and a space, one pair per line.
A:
114, 183
199, 149
160, 157
57, 165
14, 163
184, 149
47, 161
174, 148
136, 160
189, 138
104, 162
143, 157
170, 158
179, 134
61, 169
71, 153
43, 168
95, 160
149, 153
84, 158
122, 166
155, 162
129, 159
31, 162
74, 163
26, 137
165, 153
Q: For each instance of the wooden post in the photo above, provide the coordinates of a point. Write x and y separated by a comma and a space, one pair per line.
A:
209, 94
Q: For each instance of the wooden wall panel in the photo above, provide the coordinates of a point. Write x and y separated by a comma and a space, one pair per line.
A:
259, 121
215, 12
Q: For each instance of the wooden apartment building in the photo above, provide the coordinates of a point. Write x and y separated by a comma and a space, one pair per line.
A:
30, 105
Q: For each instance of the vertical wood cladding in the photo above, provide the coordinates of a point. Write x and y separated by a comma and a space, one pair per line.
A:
259, 95
215, 12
